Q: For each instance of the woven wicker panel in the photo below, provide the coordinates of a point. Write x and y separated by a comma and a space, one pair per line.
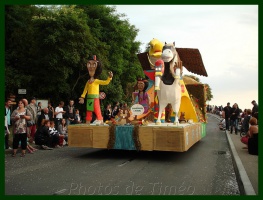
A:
169, 139
100, 137
146, 138
79, 136
192, 135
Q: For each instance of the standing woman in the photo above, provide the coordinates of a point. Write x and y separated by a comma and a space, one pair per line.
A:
234, 113
51, 111
253, 136
19, 118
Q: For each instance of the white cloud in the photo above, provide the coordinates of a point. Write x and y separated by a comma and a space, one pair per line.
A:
226, 36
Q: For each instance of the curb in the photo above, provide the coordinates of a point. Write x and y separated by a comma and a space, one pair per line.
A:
242, 176
248, 188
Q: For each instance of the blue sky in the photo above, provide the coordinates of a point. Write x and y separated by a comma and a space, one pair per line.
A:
226, 36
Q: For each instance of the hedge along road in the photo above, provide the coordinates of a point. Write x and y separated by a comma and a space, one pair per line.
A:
205, 169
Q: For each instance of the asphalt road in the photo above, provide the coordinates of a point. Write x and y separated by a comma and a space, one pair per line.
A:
205, 169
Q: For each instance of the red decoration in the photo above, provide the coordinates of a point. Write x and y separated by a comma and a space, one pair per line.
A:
182, 88
150, 74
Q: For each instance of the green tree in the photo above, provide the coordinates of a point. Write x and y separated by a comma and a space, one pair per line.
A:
63, 42
209, 95
118, 36
47, 50
18, 46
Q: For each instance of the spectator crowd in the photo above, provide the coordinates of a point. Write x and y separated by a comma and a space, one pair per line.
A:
234, 120
48, 126
28, 123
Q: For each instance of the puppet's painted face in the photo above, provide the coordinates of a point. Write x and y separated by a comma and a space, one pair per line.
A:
92, 66
140, 85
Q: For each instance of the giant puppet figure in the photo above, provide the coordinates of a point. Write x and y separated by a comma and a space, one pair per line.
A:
92, 89
169, 84
142, 97
192, 94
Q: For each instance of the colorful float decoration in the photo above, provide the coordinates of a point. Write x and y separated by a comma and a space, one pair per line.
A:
165, 85
92, 89
168, 85
193, 93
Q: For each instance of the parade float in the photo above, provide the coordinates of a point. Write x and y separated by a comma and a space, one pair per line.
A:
144, 127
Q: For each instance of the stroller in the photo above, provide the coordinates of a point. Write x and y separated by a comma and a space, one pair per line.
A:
243, 126
241, 130
222, 124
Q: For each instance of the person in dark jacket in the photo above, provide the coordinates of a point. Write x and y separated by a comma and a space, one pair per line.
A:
234, 113
44, 115
115, 112
107, 113
77, 117
51, 111
227, 110
70, 113
255, 109
42, 136
245, 124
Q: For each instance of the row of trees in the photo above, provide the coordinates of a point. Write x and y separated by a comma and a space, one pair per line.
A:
46, 50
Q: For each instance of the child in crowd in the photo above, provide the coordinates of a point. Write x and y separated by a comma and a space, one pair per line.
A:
30, 148
77, 118
63, 130
55, 135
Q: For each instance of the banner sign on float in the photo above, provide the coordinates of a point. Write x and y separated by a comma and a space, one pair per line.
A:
137, 109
